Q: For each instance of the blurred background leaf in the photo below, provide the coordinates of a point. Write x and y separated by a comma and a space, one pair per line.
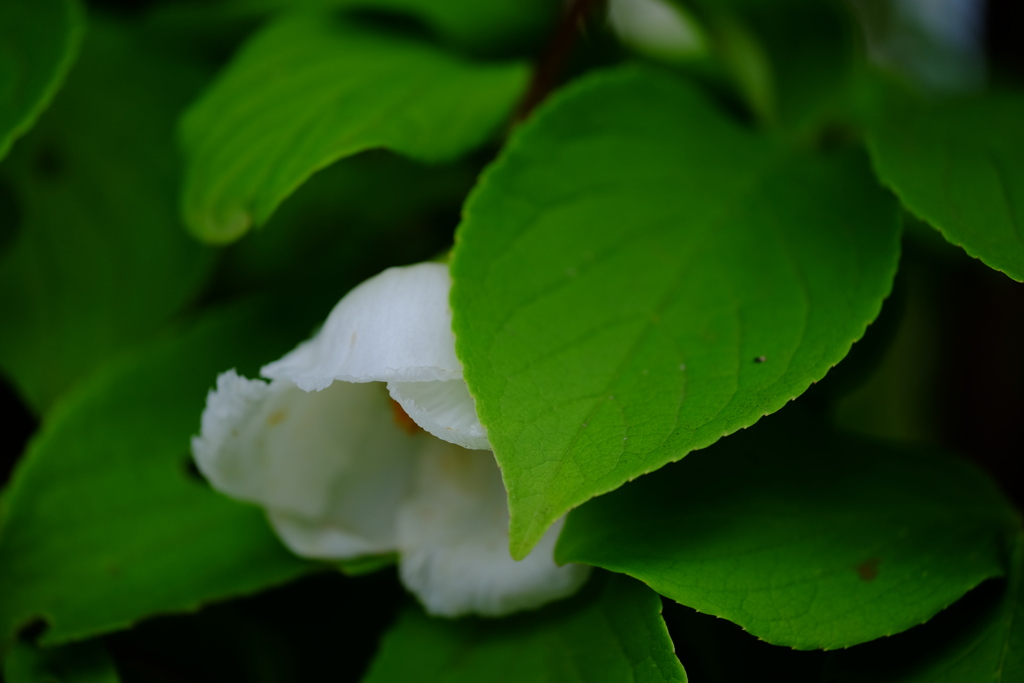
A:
494, 28
960, 166
309, 90
105, 523
86, 662
792, 60
38, 43
99, 261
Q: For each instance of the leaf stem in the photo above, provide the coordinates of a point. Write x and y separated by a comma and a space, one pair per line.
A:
550, 66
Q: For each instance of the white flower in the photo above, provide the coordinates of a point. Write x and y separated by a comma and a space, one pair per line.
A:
322, 449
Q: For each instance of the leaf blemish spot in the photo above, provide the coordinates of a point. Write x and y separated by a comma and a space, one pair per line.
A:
760, 359
683, 366
277, 417
868, 569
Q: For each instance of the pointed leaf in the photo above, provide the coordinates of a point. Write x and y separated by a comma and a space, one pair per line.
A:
307, 91
960, 166
804, 537
624, 267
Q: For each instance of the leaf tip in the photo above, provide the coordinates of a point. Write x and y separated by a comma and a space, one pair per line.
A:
220, 229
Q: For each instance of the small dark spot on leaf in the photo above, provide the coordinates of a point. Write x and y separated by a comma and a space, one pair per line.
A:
868, 569
760, 359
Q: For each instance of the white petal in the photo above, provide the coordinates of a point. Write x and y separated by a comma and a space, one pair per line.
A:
331, 467
444, 409
396, 326
453, 541
325, 539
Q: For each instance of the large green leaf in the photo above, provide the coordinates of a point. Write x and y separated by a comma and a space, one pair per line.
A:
804, 537
624, 267
103, 524
960, 166
99, 261
611, 632
38, 43
308, 91
86, 662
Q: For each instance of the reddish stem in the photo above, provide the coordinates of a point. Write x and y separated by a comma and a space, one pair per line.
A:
549, 68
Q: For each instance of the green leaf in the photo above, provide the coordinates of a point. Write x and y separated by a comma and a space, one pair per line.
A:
804, 537
86, 662
613, 631
99, 262
626, 263
103, 524
979, 640
791, 59
308, 91
960, 166
38, 42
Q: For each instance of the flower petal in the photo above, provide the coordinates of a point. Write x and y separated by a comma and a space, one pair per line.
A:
444, 409
396, 326
453, 541
332, 467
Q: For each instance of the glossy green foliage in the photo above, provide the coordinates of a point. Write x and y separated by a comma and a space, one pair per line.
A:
86, 662
803, 537
38, 42
611, 632
960, 166
99, 260
638, 276
309, 90
104, 499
